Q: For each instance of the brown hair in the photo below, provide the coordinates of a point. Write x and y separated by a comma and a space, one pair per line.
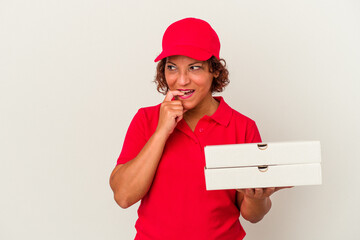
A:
215, 65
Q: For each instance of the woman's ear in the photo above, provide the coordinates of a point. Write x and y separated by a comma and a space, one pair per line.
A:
216, 74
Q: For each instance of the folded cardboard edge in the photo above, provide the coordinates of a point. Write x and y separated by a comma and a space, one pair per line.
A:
246, 145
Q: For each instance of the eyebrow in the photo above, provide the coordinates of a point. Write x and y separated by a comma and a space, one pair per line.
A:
189, 64
195, 63
169, 62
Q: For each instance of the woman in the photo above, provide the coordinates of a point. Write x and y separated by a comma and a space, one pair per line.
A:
162, 160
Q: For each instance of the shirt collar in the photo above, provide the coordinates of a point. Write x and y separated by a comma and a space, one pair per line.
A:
223, 112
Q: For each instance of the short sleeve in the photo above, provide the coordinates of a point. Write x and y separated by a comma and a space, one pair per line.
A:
252, 133
135, 138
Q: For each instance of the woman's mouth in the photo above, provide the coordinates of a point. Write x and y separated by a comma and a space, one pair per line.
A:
187, 93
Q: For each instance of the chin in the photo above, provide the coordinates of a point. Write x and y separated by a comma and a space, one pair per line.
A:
187, 106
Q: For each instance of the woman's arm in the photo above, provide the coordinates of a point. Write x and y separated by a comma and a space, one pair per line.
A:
132, 180
255, 203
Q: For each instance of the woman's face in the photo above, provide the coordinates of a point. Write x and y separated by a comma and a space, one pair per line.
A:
191, 77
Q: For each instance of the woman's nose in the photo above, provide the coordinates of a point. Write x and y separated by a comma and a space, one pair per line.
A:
183, 78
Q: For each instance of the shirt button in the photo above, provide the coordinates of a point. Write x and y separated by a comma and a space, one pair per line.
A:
201, 130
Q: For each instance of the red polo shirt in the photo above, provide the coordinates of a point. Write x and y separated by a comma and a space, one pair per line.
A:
178, 206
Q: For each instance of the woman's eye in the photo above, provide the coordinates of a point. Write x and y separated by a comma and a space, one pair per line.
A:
195, 67
170, 67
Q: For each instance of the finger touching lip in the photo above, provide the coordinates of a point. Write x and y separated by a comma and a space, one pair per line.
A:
172, 93
188, 93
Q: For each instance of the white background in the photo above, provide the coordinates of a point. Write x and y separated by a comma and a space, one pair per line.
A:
74, 72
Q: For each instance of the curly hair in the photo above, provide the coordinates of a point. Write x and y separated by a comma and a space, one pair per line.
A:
215, 65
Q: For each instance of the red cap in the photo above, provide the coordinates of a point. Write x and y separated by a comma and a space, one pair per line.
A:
190, 37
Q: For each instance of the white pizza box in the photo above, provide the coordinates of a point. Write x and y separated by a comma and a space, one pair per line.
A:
259, 165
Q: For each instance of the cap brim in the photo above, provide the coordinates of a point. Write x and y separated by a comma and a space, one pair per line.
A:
189, 51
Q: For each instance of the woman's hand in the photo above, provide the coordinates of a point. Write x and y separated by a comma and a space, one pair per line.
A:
255, 203
259, 193
171, 112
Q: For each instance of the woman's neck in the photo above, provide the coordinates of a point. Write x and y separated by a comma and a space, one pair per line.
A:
208, 108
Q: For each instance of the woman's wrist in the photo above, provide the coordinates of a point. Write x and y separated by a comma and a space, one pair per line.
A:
256, 200
263, 203
161, 134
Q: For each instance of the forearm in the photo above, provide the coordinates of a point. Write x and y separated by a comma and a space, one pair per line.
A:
254, 210
132, 180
